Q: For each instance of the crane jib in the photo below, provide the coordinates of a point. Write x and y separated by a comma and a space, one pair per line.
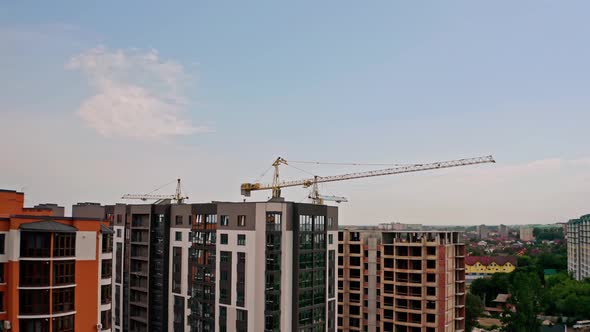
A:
359, 175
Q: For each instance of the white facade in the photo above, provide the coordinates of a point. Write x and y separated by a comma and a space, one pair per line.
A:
185, 244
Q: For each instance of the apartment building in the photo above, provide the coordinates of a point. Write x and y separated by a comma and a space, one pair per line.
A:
483, 232
223, 266
359, 280
578, 247
55, 271
277, 267
526, 234
422, 281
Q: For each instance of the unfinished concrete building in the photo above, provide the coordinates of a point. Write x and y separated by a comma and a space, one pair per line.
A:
419, 281
359, 280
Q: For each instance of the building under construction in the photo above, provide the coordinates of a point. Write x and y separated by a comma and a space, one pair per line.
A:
410, 281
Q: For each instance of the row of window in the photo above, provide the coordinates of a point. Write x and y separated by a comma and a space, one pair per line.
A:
33, 244
61, 324
36, 302
224, 221
223, 239
241, 320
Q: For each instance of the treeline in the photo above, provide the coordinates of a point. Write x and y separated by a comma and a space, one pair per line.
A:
548, 233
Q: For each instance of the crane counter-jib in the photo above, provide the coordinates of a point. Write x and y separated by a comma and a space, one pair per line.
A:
246, 188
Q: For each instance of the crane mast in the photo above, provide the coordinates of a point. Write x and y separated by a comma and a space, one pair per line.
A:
276, 185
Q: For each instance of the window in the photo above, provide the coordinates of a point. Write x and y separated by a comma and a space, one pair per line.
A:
179, 313
176, 269
119, 262
37, 325
63, 300
117, 305
119, 233
330, 238
105, 319
224, 256
34, 302
64, 272
2, 302
223, 239
242, 315
2, 280
34, 244
178, 220
178, 236
107, 243
241, 239
2, 243
64, 244
34, 273
105, 294
62, 324
224, 220
107, 268
242, 221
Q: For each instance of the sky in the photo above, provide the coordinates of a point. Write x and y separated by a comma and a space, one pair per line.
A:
107, 98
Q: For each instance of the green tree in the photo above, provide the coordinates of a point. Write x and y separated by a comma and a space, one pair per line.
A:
473, 310
525, 290
489, 288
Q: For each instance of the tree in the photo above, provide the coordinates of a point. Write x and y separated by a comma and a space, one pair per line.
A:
489, 288
473, 310
525, 290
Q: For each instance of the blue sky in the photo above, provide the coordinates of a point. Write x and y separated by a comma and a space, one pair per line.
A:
107, 98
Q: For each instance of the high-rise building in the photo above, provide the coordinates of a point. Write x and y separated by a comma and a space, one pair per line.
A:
55, 271
419, 281
483, 232
276, 264
526, 234
503, 230
578, 247
248, 266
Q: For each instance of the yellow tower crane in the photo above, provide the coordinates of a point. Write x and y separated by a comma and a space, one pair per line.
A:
277, 185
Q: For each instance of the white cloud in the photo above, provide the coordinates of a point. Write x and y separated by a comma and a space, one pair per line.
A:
138, 94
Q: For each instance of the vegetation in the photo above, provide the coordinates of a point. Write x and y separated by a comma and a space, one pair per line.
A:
564, 296
548, 233
473, 310
525, 297
532, 292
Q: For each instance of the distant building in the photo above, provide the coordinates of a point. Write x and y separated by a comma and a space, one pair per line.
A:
398, 226
503, 231
55, 271
482, 231
401, 281
57, 211
578, 247
526, 234
484, 266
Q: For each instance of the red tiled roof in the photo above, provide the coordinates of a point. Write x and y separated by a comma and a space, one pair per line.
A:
487, 260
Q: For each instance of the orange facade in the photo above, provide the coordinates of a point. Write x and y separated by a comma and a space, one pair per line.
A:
76, 293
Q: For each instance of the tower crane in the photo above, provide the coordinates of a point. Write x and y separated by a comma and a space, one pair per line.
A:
277, 185
178, 197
